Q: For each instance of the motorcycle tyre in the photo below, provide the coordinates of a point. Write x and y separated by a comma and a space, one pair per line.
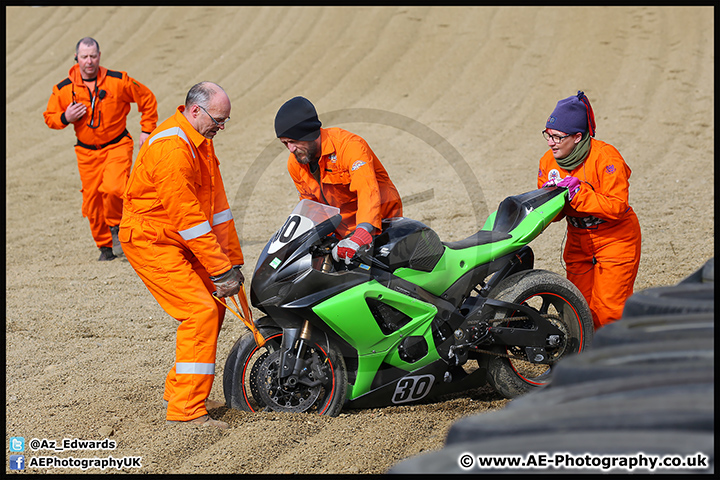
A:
518, 288
233, 383
236, 394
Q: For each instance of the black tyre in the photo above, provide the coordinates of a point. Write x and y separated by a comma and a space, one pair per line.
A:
558, 300
633, 386
576, 452
239, 383
677, 410
672, 300
656, 328
252, 383
636, 359
705, 274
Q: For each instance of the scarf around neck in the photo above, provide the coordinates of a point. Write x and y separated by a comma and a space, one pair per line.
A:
577, 156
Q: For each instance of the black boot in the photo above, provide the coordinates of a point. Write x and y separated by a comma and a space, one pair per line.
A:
117, 247
106, 254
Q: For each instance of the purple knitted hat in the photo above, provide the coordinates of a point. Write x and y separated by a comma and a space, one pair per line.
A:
572, 115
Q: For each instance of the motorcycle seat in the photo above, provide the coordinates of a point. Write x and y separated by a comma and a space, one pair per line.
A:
482, 237
510, 213
514, 209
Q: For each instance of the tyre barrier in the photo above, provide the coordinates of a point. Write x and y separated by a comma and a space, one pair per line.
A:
656, 328
652, 385
705, 274
621, 414
590, 452
694, 294
635, 359
645, 388
675, 300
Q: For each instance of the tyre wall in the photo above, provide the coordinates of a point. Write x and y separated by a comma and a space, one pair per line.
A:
645, 388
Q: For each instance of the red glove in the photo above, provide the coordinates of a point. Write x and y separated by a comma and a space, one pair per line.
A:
347, 247
572, 184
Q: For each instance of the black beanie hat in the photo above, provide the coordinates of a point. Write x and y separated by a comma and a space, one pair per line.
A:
298, 120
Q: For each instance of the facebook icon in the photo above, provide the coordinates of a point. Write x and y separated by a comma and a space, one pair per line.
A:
17, 462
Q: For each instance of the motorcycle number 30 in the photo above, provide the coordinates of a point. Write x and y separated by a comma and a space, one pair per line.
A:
410, 389
294, 226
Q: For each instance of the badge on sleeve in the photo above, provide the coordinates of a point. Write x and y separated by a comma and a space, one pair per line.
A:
554, 175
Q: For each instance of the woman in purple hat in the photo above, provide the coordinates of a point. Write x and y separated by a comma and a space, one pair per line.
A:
602, 253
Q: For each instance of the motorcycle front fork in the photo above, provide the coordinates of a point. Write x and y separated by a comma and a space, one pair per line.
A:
294, 344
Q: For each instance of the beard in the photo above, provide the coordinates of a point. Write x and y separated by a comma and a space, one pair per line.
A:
304, 157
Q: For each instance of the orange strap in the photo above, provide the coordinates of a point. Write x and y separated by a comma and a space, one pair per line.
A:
247, 317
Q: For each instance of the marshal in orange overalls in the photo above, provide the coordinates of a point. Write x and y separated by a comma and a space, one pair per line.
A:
177, 230
351, 178
602, 253
104, 147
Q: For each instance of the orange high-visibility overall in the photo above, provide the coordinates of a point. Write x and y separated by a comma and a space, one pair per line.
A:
177, 231
602, 254
351, 178
104, 147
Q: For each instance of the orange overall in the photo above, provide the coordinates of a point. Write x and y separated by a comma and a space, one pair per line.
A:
104, 147
177, 230
351, 178
602, 253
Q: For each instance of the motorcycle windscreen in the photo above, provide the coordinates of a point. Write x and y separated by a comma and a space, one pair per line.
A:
305, 216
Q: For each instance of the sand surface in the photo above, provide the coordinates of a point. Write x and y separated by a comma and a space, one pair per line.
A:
451, 99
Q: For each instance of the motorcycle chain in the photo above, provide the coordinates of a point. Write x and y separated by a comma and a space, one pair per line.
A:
498, 354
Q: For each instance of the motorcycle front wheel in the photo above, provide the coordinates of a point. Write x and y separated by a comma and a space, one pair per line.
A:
557, 299
252, 383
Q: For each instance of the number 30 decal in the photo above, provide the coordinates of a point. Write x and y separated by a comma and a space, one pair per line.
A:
410, 389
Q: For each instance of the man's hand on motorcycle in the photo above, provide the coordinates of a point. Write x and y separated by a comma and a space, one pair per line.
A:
348, 247
228, 283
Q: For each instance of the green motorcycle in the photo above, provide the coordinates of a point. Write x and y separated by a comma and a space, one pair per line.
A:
408, 320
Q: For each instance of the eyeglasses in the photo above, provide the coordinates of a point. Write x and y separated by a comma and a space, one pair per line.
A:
219, 124
555, 138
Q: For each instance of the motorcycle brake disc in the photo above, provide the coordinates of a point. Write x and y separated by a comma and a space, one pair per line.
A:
283, 395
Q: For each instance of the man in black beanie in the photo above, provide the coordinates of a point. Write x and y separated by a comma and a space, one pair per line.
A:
337, 168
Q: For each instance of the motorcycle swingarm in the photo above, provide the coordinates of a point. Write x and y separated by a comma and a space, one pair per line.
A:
540, 335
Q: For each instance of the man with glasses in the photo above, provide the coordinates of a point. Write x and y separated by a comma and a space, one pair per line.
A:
96, 101
602, 253
179, 235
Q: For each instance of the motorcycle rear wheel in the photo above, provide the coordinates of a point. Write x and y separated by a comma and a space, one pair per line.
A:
244, 390
558, 300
